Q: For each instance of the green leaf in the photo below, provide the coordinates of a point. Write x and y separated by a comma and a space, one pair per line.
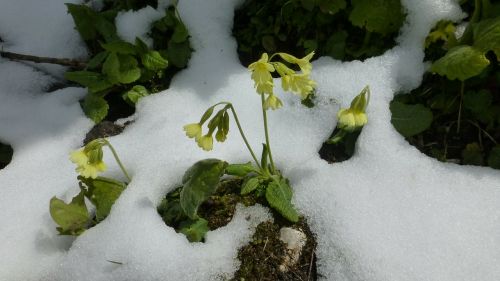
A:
487, 36
84, 18
241, 170
95, 107
135, 94
128, 70
279, 196
97, 60
494, 158
409, 119
194, 230
72, 218
472, 155
250, 185
106, 28
331, 6
310, 45
335, 46
200, 181
381, 16
461, 62
478, 101
95, 81
152, 60
120, 47
142, 48
180, 33
178, 54
268, 43
102, 192
111, 68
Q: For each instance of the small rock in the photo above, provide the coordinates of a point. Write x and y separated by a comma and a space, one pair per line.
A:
295, 240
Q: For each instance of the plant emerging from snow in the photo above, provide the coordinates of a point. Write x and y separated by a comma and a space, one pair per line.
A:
74, 218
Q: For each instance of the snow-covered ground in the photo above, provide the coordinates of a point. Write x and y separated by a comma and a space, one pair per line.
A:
389, 213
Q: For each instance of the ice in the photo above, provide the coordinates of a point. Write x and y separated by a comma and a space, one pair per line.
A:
389, 213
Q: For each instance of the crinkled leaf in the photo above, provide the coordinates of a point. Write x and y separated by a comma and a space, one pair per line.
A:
95, 107
95, 81
178, 54
472, 155
461, 62
331, 6
494, 157
129, 72
250, 185
120, 47
72, 218
194, 230
95, 61
335, 46
106, 28
487, 35
103, 192
200, 181
240, 170
279, 197
135, 94
154, 61
111, 68
180, 33
142, 48
84, 18
381, 16
410, 119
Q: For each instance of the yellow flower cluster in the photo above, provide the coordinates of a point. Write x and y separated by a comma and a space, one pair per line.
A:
298, 83
219, 122
88, 160
354, 117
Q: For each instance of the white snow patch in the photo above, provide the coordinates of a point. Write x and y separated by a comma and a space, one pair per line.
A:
389, 213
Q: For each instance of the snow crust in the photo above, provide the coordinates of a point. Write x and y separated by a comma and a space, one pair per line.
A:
389, 213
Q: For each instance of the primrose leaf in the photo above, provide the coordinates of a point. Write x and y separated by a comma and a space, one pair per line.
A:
178, 54
410, 119
135, 94
478, 101
152, 60
381, 16
106, 28
279, 197
494, 158
249, 185
240, 170
102, 192
129, 72
472, 155
84, 18
487, 35
95, 107
200, 181
97, 60
72, 218
194, 230
142, 48
461, 62
95, 81
111, 68
180, 33
120, 47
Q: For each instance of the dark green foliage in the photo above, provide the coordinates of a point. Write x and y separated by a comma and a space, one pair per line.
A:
344, 30
119, 68
6, 153
410, 120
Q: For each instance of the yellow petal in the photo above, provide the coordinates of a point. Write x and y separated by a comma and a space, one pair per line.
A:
193, 130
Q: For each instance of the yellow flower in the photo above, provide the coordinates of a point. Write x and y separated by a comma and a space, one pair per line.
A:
261, 74
272, 102
350, 119
79, 157
298, 83
206, 142
193, 130
303, 63
91, 170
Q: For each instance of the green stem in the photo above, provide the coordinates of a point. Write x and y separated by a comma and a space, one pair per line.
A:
266, 131
117, 159
241, 131
460, 106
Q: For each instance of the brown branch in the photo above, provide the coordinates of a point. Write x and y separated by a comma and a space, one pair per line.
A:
66, 62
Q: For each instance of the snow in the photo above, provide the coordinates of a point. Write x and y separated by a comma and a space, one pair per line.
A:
389, 213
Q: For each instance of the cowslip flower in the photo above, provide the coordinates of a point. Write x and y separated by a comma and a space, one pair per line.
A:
273, 102
193, 130
206, 142
350, 119
298, 83
304, 63
86, 167
261, 74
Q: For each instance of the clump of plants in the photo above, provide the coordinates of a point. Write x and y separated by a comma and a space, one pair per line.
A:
455, 115
6, 153
74, 218
119, 68
344, 30
260, 178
